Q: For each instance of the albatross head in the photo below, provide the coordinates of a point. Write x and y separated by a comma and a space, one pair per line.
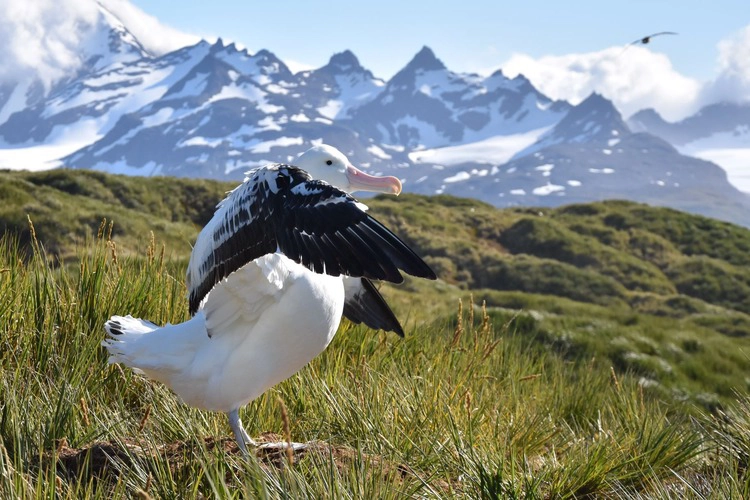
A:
328, 164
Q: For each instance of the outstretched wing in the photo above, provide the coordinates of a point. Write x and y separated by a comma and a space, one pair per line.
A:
647, 39
280, 208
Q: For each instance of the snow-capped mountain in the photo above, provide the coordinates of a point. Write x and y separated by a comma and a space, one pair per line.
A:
721, 119
339, 87
213, 110
594, 122
591, 154
25, 108
718, 132
425, 106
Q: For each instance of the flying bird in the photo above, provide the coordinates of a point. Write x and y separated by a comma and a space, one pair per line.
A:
286, 254
647, 39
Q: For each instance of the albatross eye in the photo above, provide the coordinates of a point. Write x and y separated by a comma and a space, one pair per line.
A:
329, 162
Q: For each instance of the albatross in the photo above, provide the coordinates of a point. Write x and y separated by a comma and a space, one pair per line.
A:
287, 253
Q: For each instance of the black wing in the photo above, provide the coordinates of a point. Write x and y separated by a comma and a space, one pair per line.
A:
280, 207
364, 304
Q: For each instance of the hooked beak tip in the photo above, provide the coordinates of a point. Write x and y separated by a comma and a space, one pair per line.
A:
360, 181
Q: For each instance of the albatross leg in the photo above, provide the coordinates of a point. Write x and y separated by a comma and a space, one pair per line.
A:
240, 434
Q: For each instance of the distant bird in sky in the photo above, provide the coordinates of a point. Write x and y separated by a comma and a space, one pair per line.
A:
286, 254
647, 39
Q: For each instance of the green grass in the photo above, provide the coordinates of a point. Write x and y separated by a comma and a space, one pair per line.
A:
464, 407
470, 404
599, 367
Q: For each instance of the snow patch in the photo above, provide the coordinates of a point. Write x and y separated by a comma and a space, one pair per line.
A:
16, 101
461, 176
268, 123
546, 169
734, 161
160, 117
376, 151
730, 150
331, 108
395, 147
265, 147
497, 149
548, 189
62, 141
201, 141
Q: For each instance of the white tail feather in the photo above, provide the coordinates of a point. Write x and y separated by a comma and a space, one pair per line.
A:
158, 351
123, 333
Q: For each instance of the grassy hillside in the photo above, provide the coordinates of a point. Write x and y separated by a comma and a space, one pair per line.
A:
611, 359
661, 294
68, 205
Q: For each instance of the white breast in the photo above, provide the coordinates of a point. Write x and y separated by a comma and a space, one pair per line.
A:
290, 315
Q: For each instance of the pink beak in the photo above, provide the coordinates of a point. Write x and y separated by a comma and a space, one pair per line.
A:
360, 181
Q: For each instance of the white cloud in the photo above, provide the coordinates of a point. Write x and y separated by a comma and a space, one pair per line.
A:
733, 80
44, 38
633, 78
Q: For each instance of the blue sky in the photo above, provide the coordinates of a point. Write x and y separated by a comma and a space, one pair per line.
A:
470, 36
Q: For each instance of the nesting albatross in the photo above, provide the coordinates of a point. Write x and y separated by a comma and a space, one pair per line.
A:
286, 254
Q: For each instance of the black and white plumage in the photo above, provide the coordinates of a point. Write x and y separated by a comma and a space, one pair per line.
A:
286, 254
280, 207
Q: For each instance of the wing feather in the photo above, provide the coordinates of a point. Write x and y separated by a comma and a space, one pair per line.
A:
280, 208
364, 304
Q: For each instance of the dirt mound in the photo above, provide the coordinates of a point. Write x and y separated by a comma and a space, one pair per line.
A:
107, 457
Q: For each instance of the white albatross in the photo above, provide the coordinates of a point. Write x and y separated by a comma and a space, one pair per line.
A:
285, 255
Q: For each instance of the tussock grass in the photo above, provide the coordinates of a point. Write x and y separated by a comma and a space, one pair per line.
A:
471, 404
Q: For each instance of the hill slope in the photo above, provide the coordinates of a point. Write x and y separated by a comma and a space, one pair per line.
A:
664, 291
571, 384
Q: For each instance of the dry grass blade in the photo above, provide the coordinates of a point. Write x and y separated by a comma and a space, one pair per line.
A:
287, 431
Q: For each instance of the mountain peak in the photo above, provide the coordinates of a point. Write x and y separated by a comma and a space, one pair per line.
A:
648, 113
217, 46
344, 58
425, 59
648, 120
594, 119
343, 62
595, 100
110, 41
266, 55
